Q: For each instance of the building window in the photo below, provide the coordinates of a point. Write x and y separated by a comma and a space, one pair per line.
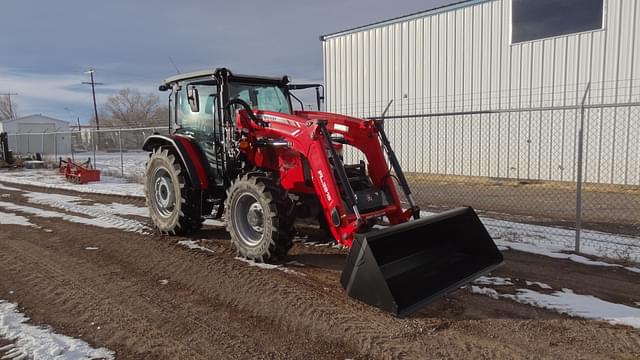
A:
539, 19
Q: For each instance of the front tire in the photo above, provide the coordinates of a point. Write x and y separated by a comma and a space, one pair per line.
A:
172, 207
256, 218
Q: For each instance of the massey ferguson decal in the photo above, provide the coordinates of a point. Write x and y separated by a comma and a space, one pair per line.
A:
325, 187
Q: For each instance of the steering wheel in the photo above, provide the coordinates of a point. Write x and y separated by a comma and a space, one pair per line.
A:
247, 107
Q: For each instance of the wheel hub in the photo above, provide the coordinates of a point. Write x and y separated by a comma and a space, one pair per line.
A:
163, 194
255, 217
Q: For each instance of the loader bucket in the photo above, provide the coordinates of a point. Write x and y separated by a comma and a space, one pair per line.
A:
406, 266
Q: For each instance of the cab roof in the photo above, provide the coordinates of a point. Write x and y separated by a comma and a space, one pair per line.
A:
209, 73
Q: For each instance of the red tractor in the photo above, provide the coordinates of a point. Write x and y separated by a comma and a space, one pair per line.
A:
237, 146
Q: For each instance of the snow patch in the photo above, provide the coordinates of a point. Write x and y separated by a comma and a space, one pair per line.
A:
585, 306
295, 263
50, 198
133, 162
104, 221
193, 245
570, 303
8, 188
489, 280
268, 266
122, 209
91, 248
214, 222
538, 284
485, 291
29, 341
556, 253
13, 219
109, 212
51, 179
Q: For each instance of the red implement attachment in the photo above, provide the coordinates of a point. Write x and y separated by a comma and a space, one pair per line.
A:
79, 173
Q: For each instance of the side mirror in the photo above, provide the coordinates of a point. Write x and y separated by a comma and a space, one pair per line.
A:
193, 98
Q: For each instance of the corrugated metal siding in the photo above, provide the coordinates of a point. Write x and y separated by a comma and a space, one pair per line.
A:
462, 60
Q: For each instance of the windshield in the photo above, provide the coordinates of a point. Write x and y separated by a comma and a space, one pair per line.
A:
261, 96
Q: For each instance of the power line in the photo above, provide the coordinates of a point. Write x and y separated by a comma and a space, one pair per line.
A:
9, 94
93, 84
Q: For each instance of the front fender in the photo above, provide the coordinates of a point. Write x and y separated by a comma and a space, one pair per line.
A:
189, 154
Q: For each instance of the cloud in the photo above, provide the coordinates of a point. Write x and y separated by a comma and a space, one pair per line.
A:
51, 43
52, 93
62, 88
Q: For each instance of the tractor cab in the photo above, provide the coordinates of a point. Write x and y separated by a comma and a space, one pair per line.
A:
197, 99
197, 106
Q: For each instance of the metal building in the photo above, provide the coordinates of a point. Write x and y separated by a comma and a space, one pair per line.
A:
497, 87
29, 134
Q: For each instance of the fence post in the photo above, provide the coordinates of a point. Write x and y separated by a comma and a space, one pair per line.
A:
95, 146
42, 145
121, 155
71, 136
579, 171
55, 147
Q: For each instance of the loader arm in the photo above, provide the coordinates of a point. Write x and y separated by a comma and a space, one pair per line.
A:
308, 133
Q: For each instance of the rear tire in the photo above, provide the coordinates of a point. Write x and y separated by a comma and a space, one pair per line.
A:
172, 206
257, 219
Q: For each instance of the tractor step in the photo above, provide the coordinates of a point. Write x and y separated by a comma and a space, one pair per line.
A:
404, 267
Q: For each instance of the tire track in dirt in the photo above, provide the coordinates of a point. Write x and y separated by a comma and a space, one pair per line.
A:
235, 273
66, 295
191, 333
376, 334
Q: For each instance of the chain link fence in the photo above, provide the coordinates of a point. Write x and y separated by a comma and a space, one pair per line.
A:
556, 174
550, 174
116, 152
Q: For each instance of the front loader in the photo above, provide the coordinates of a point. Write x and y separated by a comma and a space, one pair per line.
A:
238, 150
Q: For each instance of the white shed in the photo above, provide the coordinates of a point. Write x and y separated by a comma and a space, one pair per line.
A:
35, 133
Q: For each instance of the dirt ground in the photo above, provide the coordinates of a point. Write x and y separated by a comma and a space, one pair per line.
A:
213, 306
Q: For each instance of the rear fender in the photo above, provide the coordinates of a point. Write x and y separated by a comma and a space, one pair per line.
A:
189, 154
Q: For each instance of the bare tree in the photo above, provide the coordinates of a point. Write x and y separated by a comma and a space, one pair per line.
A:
7, 108
130, 108
162, 116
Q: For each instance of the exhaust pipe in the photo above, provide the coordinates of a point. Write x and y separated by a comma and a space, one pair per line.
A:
404, 267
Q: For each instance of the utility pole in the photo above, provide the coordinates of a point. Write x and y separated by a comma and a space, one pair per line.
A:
8, 94
93, 84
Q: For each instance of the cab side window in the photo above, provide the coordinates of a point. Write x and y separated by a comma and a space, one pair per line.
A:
203, 120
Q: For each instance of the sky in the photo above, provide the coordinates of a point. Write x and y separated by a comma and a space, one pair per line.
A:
46, 46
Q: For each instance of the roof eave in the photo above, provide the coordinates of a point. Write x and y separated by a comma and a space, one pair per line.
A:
419, 14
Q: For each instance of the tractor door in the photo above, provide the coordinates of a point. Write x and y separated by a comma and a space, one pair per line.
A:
197, 116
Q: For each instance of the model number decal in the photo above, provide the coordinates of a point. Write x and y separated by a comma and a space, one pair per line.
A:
279, 120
